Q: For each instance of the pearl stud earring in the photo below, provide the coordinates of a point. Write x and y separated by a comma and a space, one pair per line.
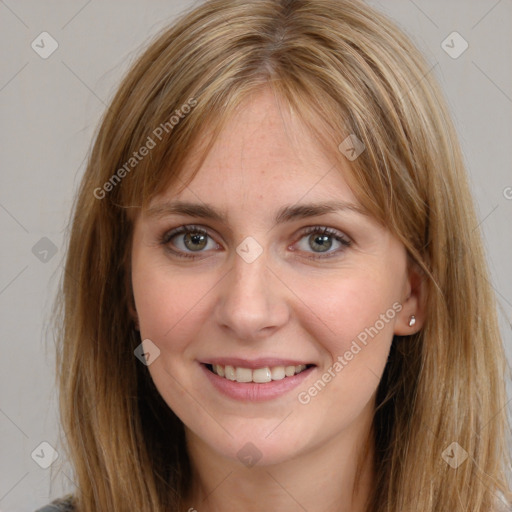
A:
412, 320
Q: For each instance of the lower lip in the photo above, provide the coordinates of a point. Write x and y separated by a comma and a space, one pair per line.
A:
252, 391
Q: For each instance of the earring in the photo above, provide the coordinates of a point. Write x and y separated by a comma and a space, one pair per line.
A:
412, 320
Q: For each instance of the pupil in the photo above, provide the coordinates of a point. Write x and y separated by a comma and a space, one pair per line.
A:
195, 242
322, 242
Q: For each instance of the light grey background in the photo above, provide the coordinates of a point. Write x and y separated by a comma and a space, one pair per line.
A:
50, 110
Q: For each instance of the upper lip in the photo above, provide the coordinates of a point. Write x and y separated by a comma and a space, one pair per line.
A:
261, 362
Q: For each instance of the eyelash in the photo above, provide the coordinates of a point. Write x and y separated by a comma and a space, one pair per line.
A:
338, 236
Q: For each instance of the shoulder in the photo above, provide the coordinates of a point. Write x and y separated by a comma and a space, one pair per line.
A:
60, 505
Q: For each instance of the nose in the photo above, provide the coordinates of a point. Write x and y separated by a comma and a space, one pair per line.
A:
252, 301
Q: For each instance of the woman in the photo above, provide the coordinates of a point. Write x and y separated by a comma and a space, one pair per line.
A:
274, 296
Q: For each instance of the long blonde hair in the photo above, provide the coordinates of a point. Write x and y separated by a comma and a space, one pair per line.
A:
344, 69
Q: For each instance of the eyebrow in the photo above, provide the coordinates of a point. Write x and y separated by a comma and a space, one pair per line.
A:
284, 214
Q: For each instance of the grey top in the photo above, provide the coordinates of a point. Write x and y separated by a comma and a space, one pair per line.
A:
61, 505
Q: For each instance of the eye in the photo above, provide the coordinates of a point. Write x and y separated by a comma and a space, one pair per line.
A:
319, 242
188, 239
323, 242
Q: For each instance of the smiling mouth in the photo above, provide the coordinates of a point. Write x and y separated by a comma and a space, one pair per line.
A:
257, 375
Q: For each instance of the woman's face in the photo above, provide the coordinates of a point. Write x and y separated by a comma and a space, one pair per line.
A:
281, 268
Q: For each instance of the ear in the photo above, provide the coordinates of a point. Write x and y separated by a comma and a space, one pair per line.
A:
134, 315
129, 294
413, 302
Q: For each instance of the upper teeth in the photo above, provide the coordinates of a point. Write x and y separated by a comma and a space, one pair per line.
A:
259, 375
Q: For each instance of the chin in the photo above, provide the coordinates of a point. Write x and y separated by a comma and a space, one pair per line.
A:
264, 446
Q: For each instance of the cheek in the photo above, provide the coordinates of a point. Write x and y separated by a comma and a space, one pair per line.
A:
343, 308
352, 324
169, 304
352, 321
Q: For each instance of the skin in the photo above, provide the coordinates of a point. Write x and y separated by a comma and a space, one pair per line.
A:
284, 304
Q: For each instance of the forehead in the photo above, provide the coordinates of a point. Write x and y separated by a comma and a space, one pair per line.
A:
263, 153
